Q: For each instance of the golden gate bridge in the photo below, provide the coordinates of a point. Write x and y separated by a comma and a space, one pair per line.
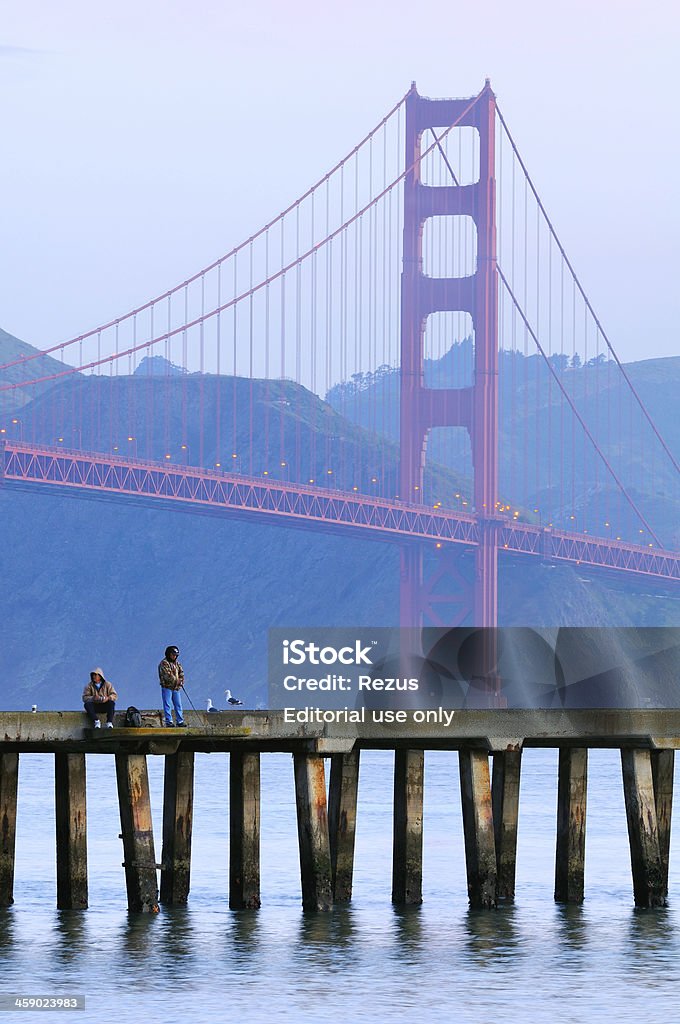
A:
405, 353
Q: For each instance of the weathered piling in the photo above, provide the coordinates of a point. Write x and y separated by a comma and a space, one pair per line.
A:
71, 830
244, 830
342, 816
178, 806
649, 879
478, 827
663, 764
9, 776
407, 849
137, 832
505, 782
312, 818
570, 854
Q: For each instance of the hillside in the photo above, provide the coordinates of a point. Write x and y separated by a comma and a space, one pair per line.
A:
11, 349
535, 425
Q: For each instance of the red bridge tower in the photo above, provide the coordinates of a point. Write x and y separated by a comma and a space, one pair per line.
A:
474, 407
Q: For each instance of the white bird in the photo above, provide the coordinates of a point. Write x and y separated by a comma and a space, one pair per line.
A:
210, 706
232, 700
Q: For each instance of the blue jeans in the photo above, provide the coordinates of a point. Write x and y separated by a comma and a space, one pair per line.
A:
172, 698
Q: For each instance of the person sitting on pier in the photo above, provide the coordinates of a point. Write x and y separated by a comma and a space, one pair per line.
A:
99, 697
171, 677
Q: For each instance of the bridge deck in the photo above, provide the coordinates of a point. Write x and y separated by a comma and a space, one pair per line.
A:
493, 730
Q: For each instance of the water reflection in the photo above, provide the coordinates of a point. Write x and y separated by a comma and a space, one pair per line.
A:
245, 938
175, 939
572, 926
491, 936
653, 936
323, 937
137, 941
408, 927
70, 936
7, 919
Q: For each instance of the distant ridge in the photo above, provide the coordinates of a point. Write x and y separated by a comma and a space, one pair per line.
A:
12, 348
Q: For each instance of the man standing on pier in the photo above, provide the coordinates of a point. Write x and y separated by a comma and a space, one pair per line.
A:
171, 677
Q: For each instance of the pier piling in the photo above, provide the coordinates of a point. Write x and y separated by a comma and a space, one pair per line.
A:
9, 776
505, 782
137, 832
649, 879
244, 830
570, 855
663, 764
478, 827
178, 804
312, 818
71, 829
407, 855
342, 816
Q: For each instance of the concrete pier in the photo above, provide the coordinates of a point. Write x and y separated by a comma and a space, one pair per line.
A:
312, 817
327, 825
178, 809
570, 856
71, 828
407, 852
137, 832
478, 827
342, 816
244, 830
9, 775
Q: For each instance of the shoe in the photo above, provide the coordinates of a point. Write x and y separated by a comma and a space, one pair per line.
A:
109, 725
168, 725
181, 725
97, 724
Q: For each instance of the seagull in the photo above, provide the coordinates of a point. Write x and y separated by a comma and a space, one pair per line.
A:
232, 700
210, 706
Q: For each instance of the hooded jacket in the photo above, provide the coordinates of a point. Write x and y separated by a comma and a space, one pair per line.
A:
105, 691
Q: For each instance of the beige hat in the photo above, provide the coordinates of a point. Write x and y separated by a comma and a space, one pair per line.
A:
99, 672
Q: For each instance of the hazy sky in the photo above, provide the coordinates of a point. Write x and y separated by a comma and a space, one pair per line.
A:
143, 139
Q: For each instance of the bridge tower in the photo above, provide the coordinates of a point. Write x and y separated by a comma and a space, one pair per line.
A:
474, 407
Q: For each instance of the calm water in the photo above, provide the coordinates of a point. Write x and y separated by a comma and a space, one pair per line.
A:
439, 962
